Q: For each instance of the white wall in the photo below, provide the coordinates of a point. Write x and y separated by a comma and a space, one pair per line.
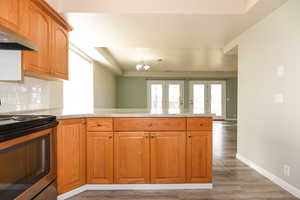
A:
32, 94
269, 66
104, 87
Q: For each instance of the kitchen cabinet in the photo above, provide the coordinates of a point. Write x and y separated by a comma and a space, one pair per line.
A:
39, 32
49, 32
59, 51
10, 11
132, 157
100, 158
134, 151
199, 157
71, 154
168, 154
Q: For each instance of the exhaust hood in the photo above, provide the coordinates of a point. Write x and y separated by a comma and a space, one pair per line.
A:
12, 41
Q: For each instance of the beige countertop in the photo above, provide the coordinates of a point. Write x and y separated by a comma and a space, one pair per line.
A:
73, 113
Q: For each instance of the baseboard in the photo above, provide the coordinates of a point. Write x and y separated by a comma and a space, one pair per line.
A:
231, 119
275, 179
133, 187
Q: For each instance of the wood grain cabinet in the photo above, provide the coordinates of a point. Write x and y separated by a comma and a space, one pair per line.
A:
168, 157
100, 158
59, 51
71, 154
10, 14
38, 62
199, 157
49, 32
132, 157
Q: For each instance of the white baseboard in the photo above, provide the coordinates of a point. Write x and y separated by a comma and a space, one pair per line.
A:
231, 119
275, 179
133, 187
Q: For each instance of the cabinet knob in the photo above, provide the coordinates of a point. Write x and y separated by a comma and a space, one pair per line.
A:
201, 124
109, 137
190, 136
99, 124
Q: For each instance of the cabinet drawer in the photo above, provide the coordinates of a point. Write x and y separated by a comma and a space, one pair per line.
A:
149, 124
199, 124
99, 124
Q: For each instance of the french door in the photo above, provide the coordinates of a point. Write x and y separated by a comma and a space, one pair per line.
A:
165, 96
208, 97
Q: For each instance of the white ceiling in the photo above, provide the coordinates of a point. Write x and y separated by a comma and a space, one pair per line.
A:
175, 60
186, 34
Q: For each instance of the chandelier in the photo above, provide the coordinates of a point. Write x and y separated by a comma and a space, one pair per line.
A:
142, 67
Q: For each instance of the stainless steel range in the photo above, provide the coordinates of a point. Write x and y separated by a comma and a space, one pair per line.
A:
27, 159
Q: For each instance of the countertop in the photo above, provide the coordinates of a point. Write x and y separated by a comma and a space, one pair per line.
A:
73, 113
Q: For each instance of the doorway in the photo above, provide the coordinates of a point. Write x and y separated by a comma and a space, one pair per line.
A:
165, 95
208, 97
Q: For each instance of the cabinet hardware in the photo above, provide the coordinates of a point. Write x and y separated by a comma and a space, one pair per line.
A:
109, 137
150, 125
189, 136
153, 136
99, 124
201, 124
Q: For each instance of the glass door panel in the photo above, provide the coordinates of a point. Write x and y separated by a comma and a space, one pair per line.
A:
156, 98
208, 97
165, 96
175, 96
216, 99
198, 102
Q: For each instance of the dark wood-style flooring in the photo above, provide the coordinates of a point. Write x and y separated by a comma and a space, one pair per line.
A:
233, 180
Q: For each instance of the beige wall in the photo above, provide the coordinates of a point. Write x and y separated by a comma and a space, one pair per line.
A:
269, 66
104, 87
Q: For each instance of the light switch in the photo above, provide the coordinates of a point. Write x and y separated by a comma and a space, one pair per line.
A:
280, 70
278, 98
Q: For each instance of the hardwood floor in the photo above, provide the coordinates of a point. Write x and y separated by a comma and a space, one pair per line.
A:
232, 179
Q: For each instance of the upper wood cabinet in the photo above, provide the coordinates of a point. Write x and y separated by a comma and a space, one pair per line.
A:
199, 157
60, 51
39, 31
168, 157
131, 157
49, 32
100, 158
10, 14
71, 154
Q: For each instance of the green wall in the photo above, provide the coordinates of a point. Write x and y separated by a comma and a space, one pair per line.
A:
132, 93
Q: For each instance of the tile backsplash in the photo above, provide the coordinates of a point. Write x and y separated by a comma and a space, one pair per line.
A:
32, 94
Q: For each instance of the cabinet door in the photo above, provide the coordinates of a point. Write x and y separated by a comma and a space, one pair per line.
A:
39, 33
60, 51
131, 157
10, 14
71, 151
100, 158
199, 157
168, 154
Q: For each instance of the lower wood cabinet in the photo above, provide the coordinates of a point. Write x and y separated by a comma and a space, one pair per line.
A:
132, 157
100, 158
71, 154
199, 157
135, 157
168, 157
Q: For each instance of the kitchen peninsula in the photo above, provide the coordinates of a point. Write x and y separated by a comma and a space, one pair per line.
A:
106, 148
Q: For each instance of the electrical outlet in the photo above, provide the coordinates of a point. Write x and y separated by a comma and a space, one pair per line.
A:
286, 170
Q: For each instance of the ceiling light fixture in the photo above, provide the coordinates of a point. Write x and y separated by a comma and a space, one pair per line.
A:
141, 67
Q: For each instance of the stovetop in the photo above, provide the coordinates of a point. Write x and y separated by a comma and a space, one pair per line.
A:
13, 126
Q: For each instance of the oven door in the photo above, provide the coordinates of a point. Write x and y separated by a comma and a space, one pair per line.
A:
26, 165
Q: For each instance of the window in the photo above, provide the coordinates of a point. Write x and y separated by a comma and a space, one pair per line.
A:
207, 97
78, 90
165, 95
